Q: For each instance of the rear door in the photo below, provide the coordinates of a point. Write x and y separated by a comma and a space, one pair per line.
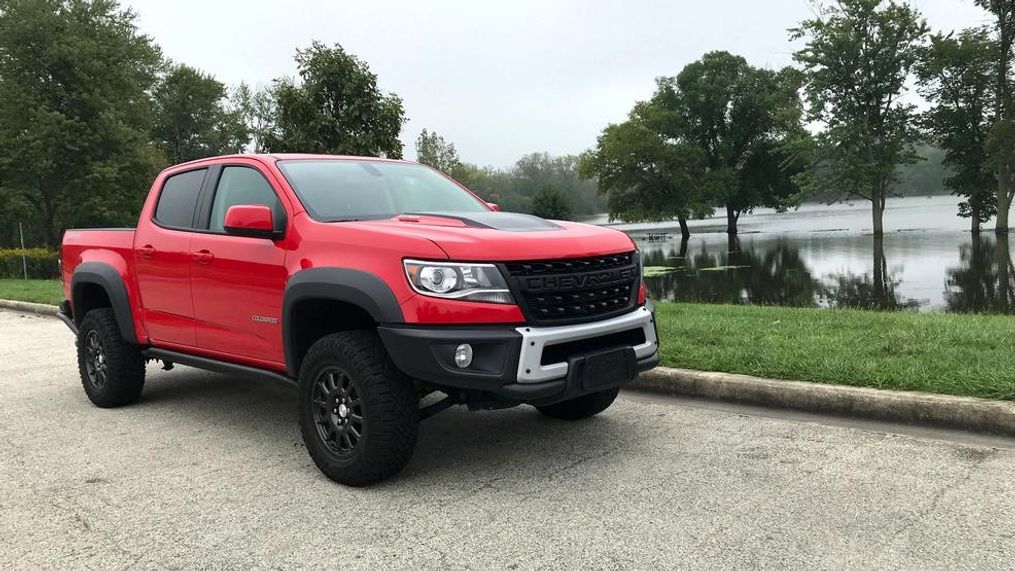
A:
162, 259
237, 282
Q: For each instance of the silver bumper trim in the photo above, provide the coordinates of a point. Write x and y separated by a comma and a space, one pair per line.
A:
534, 339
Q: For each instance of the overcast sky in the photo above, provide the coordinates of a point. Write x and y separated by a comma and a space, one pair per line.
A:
498, 79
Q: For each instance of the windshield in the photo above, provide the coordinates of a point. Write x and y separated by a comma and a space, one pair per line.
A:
339, 190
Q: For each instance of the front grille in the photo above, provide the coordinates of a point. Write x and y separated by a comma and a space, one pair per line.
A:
574, 290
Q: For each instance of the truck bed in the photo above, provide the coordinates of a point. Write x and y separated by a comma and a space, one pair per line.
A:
111, 245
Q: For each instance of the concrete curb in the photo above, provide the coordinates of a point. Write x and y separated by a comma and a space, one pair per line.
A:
965, 413
40, 308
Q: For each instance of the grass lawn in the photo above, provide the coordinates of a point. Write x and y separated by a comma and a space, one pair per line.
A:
35, 291
971, 355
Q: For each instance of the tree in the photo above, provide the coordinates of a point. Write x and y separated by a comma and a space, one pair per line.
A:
192, 119
257, 111
739, 116
956, 76
75, 114
337, 108
537, 170
1002, 137
551, 202
432, 150
857, 58
646, 176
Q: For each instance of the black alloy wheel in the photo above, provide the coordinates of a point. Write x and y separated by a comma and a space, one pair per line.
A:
96, 365
338, 411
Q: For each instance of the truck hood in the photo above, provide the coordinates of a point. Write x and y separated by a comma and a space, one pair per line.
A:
505, 236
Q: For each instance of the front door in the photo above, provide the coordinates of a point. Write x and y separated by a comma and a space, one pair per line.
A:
162, 259
237, 282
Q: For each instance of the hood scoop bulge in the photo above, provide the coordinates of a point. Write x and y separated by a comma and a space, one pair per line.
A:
506, 221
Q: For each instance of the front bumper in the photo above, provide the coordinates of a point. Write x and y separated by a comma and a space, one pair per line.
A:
538, 365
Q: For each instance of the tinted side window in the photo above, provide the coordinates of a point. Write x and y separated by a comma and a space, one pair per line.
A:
242, 185
178, 199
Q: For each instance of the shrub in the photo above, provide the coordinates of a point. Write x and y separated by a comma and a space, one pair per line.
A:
42, 263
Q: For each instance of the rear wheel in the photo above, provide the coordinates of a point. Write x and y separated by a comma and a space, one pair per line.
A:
112, 370
581, 407
357, 412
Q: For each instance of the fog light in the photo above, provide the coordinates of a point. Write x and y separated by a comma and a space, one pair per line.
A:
463, 355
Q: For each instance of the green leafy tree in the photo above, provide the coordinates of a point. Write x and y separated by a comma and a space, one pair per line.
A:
75, 114
551, 202
537, 170
1001, 141
193, 118
432, 150
257, 111
646, 176
495, 185
740, 117
336, 108
956, 76
857, 58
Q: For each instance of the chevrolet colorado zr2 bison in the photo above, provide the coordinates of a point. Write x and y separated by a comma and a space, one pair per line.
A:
369, 283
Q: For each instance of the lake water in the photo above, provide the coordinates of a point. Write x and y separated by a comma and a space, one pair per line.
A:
826, 256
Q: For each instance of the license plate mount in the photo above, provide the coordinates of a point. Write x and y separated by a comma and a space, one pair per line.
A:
603, 369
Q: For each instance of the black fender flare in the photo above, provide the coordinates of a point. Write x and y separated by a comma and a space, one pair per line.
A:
355, 287
106, 277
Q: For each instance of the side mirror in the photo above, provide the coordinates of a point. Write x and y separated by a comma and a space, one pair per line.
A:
251, 221
493, 206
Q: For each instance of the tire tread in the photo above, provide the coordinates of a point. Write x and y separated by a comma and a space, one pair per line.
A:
126, 366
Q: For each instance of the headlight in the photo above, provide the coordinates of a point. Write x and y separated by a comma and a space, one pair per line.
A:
450, 280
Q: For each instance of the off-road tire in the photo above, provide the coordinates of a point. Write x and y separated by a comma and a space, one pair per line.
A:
386, 401
581, 407
119, 377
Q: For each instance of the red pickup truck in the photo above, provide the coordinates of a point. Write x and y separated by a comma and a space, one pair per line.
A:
374, 285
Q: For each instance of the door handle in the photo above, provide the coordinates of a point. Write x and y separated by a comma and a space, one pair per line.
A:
203, 256
147, 251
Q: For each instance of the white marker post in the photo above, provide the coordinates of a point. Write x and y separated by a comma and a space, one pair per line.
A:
24, 260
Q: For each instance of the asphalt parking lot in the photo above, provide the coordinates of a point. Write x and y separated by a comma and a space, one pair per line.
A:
209, 471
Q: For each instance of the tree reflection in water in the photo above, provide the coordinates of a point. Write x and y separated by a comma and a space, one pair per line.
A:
985, 280
875, 290
778, 276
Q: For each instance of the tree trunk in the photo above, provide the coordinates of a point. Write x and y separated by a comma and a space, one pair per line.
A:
974, 217
685, 232
881, 289
683, 248
1003, 199
878, 210
51, 232
731, 220
1005, 279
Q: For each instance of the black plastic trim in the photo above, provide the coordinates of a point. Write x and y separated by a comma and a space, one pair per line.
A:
214, 365
416, 351
412, 350
355, 287
515, 285
108, 279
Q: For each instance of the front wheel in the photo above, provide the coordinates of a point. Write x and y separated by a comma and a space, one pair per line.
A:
358, 414
581, 407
